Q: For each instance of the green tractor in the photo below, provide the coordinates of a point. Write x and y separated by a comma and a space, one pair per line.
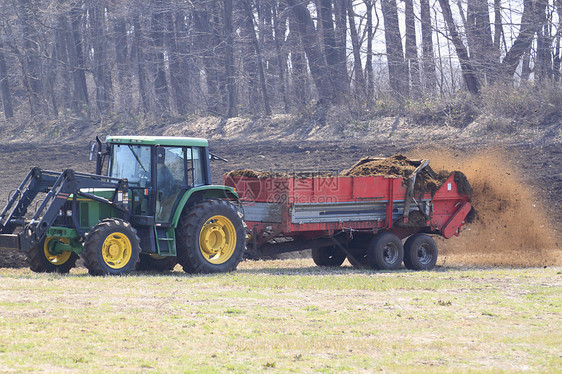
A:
155, 206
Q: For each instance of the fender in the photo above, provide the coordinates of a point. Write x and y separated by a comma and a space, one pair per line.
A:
202, 193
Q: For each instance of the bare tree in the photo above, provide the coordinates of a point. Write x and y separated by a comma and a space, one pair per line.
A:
5, 85
397, 69
428, 62
411, 48
309, 39
469, 75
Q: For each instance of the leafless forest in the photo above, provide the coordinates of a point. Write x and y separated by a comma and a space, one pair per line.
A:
176, 58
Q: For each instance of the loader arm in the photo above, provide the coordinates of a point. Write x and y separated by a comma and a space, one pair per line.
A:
59, 188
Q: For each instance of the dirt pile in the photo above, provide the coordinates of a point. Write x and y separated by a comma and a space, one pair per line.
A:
249, 173
393, 166
401, 166
511, 227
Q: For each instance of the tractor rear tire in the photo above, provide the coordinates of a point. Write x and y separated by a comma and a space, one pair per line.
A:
149, 262
385, 252
420, 252
42, 261
112, 247
329, 256
211, 237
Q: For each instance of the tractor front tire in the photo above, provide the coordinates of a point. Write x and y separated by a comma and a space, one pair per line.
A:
330, 256
420, 252
211, 237
385, 252
41, 260
112, 247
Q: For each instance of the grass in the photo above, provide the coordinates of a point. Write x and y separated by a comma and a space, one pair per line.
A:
283, 316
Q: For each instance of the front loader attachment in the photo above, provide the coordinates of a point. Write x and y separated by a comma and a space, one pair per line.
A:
58, 187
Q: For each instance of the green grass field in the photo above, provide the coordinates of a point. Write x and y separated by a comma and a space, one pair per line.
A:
283, 316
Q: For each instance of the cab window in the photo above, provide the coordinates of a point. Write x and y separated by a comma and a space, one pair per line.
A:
131, 162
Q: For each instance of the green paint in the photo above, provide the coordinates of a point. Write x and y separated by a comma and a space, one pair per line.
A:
74, 244
158, 140
209, 192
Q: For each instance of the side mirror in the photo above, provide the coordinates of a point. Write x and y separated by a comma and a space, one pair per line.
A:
97, 148
214, 157
93, 150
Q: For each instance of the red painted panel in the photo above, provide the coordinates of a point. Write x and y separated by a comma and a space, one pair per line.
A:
448, 203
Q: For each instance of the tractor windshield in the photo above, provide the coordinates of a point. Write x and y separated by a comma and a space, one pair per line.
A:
131, 162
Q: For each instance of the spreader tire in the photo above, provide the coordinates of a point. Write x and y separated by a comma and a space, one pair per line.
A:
359, 260
385, 252
358, 249
211, 237
420, 252
149, 262
330, 256
112, 247
41, 260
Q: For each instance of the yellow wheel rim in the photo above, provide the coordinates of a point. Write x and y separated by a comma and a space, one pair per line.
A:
217, 239
56, 258
116, 250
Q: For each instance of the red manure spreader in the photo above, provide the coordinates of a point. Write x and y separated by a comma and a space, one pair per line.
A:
363, 218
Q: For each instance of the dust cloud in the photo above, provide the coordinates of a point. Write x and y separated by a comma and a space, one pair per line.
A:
511, 226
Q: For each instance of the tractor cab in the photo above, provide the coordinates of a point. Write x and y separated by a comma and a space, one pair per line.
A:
159, 171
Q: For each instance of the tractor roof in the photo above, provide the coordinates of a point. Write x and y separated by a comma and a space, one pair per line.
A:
176, 141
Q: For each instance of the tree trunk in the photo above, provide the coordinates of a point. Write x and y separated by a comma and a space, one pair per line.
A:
397, 69
208, 46
80, 97
180, 72
31, 61
102, 72
357, 68
411, 48
5, 86
556, 59
255, 42
483, 53
340, 12
121, 44
229, 50
543, 68
428, 59
498, 24
140, 62
331, 49
279, 30
61, 63
299, 74
369, 60
158, 26
469, 75
522, 42
309, 39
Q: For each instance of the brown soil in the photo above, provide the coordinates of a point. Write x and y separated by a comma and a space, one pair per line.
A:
518, 196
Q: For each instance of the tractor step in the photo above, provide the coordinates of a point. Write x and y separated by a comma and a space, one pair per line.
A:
166, 241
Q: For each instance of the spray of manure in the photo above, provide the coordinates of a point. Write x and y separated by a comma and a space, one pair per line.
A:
511, 227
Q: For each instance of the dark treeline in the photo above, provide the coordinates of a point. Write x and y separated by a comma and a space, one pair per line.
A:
96, 58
